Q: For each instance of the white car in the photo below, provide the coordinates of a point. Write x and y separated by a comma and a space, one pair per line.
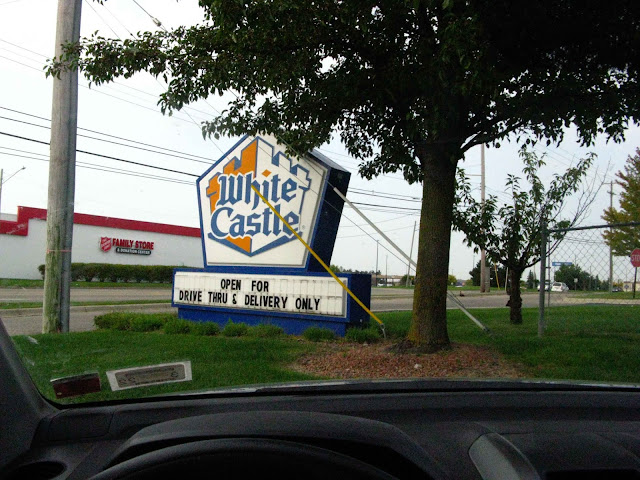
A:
559, 287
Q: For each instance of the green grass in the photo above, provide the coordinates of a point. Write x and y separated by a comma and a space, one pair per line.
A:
607, 295
14, 305
21, 283
589, 343
216, 361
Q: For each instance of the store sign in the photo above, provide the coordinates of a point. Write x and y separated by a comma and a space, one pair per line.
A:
123, 245
276, 293
255, 269
237, 227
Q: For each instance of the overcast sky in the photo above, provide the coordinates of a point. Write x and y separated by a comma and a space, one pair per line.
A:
126, 111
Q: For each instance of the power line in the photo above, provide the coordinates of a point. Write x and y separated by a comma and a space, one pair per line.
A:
109, 141
109, 157
93, 166
207, 160
391, 230
391, 197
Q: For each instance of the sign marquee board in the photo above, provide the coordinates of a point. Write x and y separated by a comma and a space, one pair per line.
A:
276, 293
255, 269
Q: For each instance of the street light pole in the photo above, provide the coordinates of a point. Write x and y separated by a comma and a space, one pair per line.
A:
5, 181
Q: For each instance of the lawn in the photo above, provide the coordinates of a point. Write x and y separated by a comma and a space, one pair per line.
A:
22, 283
587, 343
590, 343
216, 361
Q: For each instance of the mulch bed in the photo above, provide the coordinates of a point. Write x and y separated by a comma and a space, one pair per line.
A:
334, 360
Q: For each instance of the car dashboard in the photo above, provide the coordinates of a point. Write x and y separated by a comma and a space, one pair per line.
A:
397, 429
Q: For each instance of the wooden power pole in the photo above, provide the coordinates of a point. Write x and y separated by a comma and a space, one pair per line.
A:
62, 168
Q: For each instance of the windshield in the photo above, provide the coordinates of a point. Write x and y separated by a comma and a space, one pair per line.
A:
274, 195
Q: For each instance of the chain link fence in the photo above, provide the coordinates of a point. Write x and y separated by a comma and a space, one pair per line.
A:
580, 270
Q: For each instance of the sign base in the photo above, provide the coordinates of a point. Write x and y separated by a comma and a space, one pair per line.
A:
294, 302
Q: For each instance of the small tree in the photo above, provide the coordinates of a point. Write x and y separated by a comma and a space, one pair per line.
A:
511, 233
495, 280
531, 280
570, 273
452, 280
623, 240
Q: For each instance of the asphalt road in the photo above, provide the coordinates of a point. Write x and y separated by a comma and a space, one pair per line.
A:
29, 321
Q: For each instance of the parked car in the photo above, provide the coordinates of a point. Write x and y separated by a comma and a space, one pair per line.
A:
616, 289
559, 287
547, 286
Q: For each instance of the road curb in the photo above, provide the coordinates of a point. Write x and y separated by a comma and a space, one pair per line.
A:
34, 312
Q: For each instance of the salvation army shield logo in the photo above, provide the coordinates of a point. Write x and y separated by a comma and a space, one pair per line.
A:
105, 244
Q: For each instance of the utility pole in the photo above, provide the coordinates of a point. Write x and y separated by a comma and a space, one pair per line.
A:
377, 245
610, 250
62, 168
415, 224
484, 271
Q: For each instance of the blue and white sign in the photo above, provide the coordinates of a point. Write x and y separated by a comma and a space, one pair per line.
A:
559, 264
238, 228
255, 269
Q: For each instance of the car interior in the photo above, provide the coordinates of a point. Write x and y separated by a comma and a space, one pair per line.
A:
429, 429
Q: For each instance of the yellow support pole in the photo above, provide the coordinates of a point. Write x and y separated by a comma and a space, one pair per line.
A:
371, 314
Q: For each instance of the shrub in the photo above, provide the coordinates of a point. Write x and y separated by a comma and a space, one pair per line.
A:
77, 271
147, 322
205, 328
265, 331
89, 271
363, 335
177, 326
235, 329
142, 272
118, 272
113, 321
317, 334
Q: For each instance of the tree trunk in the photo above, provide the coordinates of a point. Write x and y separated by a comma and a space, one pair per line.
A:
428, 330
515, 297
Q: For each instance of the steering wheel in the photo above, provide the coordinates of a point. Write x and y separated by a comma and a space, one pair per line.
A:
242, 458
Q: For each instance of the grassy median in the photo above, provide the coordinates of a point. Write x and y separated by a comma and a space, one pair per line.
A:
587, 343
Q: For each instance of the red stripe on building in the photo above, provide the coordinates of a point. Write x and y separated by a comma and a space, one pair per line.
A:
21, 226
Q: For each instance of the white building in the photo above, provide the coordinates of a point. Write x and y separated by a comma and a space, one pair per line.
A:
96, 239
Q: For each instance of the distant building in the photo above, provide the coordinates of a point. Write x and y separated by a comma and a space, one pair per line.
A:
96, 239
628, 286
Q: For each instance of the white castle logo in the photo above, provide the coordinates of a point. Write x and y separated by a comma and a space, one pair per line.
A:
237, 216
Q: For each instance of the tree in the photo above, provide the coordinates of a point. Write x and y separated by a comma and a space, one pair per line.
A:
623, 240
408, 86
569, 273
502, 274
412, 280
511, 233
451, 280
532, 282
